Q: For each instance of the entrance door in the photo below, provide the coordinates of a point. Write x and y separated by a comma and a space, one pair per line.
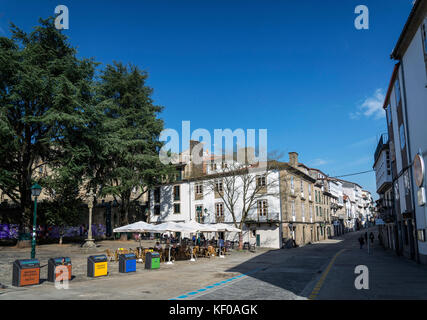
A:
258, 240
303, 235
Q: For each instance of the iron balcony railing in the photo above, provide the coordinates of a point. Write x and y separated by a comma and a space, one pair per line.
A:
381, 144
269, 217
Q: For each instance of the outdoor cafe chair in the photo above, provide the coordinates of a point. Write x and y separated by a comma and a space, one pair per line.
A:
211, 251
110, 255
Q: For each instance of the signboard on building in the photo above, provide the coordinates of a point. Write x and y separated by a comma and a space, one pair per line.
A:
419, 170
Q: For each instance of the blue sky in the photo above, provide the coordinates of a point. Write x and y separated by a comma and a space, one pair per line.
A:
299, 69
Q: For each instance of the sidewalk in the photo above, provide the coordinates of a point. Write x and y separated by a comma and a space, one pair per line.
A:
390, 276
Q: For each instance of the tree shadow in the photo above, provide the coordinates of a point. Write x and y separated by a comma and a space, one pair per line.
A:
289, 269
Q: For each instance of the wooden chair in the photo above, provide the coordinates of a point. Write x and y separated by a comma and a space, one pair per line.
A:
211, 251
120, 251
110, 255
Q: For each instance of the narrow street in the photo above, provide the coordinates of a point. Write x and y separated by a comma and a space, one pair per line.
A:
294, 274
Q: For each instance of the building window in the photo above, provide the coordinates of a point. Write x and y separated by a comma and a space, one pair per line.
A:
176, 196
303, 211
260, 181
317, 211
218, 186
262, 208
397, 90
292, 185
213, 166
157, 210
396, 190
302, 188
157, 195
320, 211
311, 213
219, 210
199, 213
178, 175
402, 136
389, 114
176, 208
309, 191
406, 182
199, 189
293, 210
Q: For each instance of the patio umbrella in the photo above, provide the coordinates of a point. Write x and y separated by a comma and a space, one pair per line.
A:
222, 227
139, 227
200, 228
171, 226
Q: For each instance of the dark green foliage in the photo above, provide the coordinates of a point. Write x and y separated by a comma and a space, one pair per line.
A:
100, 135
132, 118
44, 90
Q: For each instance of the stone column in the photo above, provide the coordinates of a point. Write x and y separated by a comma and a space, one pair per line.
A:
90, 242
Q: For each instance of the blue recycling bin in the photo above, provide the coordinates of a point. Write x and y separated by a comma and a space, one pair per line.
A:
127, 263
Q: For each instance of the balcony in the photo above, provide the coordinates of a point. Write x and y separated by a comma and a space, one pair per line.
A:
382, 165
219, 219
382, 144
271, 217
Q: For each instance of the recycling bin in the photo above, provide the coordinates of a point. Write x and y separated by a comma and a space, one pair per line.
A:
127, 263
26, 272
97, 266
152, 260
56, 268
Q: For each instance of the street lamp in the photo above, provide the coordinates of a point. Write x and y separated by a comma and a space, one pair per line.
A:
35, 192
199, 211
90, 241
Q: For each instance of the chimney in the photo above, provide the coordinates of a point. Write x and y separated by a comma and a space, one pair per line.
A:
293, 159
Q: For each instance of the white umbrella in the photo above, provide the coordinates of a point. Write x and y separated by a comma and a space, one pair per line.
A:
222, 227
139, 226
171, 226
201, 227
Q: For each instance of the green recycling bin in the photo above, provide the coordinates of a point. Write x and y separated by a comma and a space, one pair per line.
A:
152, 260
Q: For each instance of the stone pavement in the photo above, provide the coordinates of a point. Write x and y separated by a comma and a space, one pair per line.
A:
319, 271
165, 283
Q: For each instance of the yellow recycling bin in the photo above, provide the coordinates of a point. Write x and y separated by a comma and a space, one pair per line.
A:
97, 266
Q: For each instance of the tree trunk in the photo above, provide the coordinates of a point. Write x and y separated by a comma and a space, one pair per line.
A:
61, 235
241, 241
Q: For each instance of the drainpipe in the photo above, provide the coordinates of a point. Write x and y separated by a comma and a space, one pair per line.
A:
280, 213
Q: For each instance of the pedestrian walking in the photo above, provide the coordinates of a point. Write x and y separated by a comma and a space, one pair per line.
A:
372, 237
362, 242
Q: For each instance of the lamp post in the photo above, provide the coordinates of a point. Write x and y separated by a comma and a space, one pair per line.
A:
90, 241
35, 192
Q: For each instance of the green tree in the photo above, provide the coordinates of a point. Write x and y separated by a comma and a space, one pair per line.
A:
133, 166
45, 93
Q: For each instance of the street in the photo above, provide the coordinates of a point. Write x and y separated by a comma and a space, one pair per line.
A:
294, 274
320, 271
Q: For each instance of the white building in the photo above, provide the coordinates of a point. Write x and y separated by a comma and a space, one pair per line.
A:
194, 199
406, 111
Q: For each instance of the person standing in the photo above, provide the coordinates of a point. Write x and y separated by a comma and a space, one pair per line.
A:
372, 237
361, 242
